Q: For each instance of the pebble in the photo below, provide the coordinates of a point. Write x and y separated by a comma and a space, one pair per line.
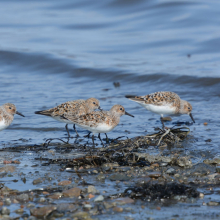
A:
87, 207
99, 198
124, 200
64, 183
91, 189
171, 171
108, 205
155, 174
55, 196
101, 177
37, 181
42, 212
23, 197
73, 192
90, 196
19, 211
117, 209
7, 201
81, 215
211, 203
8, 168
201, 195
5, 211
95, 171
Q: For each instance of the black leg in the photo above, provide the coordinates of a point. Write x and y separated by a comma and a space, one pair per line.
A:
88, 135
107, 140
161, 119
93, 140
74, 127
100, 139
67, 130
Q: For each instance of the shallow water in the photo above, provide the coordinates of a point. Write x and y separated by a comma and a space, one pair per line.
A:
53, 51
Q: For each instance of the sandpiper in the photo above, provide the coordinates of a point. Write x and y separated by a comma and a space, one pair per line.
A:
75, 108
99, 121
7, 112
163, 103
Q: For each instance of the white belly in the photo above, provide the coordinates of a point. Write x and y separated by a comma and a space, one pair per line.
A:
3, 125
100, 128
161, 110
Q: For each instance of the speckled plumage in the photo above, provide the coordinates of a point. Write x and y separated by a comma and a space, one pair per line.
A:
77, 108
168, 103
7, 112
101, 121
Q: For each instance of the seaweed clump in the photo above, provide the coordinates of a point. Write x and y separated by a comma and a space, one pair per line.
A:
156, 191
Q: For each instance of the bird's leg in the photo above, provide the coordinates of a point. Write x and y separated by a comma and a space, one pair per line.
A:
107, 140
74, 127
100, 139
67, 130
161, 119
93, 140
67, 133
88, 135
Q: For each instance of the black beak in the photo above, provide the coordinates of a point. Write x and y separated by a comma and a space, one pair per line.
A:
190, 114
18, 113
126, 113
100, 108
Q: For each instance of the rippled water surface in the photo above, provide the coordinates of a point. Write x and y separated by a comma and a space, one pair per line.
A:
55, 51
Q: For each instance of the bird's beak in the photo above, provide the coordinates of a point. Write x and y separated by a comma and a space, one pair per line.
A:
18, 113
126, 113
100, 108
190, 114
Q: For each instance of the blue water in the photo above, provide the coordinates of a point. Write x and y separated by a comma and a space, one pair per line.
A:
55, 51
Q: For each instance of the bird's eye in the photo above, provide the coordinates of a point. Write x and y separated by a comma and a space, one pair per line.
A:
94, 103
121, 109
9, 107
189, 108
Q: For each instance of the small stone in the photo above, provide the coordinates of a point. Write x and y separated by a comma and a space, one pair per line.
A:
41, 199
170, 171
23, 197
205, 123
124, 200
95, 171
81, 215
8, 168
117, 209
55, 196
5, 211
64, 183
7, 201
19, 211
108, 205
92, 189
99, 198
37, 181
211, 203
90, 196
73, 192
63, 207
101, 177
42, 212
87, 207
154, 175
201, 195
